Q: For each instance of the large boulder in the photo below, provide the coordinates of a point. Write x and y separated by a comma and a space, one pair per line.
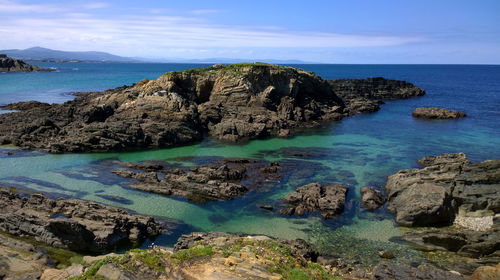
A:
329, 200
371, 198
432, 195
71, 223
437, 113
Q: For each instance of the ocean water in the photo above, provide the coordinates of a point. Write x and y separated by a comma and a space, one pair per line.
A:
359, 151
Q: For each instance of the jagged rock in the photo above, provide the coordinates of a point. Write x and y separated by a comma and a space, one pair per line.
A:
8, 64
329, 200
220, 180
71, 223
433, 195
437, 113
232, 103
392, 271
366, 95
371, 199
56, 274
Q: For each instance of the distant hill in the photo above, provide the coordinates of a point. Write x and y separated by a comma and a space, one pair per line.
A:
38, 53
44, 54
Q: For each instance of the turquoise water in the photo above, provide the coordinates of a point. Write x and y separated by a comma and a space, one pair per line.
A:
361, 150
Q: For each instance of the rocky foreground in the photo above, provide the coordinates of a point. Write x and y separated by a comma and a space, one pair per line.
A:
229, 256
71, 223
231, 103
8, 64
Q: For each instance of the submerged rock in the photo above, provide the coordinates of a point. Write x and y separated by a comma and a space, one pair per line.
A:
8, 64
432, 195
329, 200
371, 198
220, 180
71, 223
231, 103
437, 113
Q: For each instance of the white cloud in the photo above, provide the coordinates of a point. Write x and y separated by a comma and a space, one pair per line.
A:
157, 35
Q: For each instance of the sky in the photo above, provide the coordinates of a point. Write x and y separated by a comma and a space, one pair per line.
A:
324, 31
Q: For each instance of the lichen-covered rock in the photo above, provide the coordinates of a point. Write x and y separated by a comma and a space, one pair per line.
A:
71, 223
437, 113
433, 195
329, 200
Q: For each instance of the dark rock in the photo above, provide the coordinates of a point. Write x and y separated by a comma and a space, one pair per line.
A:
371, 199
437, 113
365, 95
432, 195
85, 225
232, 103
8, 64
219, 180
386, 254
329, 200
391, 271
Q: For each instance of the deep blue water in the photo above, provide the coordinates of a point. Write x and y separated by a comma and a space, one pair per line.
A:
360, 150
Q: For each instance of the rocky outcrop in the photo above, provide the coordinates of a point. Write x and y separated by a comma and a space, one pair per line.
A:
390, 271
73, 224
232, 103
437, 113
366, 95
371, 198
329, 200
220, 180
8, 64
432, 195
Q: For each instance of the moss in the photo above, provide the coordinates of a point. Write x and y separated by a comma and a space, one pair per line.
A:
194, 252
92, 270
151, 259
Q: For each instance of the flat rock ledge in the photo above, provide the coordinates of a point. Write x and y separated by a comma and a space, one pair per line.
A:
220, 180
434, 194
437, 113
8, 64
329, 200
71, 223
227, 102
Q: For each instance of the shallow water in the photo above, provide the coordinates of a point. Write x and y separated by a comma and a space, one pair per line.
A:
361, 150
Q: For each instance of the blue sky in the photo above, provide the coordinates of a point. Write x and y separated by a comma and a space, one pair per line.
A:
341, 31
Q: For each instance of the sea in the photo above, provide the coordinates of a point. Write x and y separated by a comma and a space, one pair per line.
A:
358, 151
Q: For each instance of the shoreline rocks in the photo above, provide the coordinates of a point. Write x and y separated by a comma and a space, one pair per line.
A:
437, 113
329, 200
71, 223
231, 103
8, 64
221, 180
